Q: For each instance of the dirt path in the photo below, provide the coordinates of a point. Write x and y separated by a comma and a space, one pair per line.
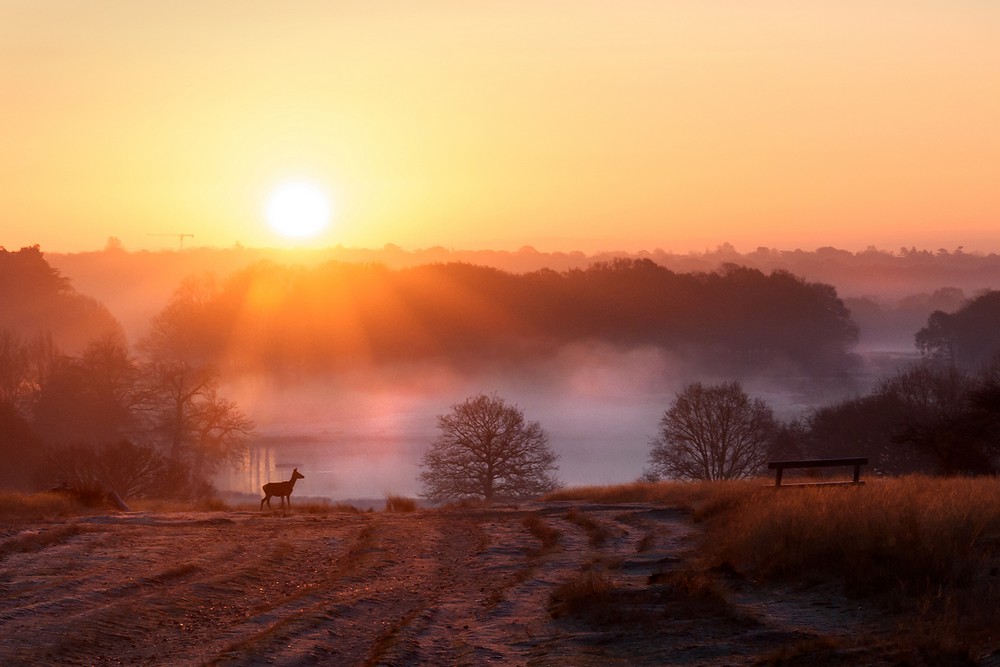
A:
540, 584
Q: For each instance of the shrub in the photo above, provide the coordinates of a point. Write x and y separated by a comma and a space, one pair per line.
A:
597, 532
904, 536
34, 506
547, 535
130, 470
586, 593
400, 504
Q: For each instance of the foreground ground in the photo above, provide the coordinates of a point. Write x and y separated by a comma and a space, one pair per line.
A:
537, 584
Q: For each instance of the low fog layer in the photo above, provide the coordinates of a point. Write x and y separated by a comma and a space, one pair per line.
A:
361, 434
889, 290
358, 425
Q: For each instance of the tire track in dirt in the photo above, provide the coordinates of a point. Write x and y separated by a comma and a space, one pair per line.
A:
536, 584
148, 587
377, 588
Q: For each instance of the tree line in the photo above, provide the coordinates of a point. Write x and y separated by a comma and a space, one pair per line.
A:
930, 418
151, 424
151, 421
37, 298
148, 422
939, 416
281, 318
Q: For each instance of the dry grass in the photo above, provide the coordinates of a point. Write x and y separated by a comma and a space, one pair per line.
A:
647, 542
546, 534
816, 650
703, 498
586, 593
694, 593
36, 506
925, 548
597, 533
400, 504
637, 492
162, 505
910, 536
36, 540
316, 506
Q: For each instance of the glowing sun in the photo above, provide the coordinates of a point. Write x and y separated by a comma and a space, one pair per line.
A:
298, 210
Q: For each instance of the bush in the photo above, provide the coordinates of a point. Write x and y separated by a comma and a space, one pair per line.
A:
400, 504
909, 536
132, 471
35, 506
546, 534
586, 593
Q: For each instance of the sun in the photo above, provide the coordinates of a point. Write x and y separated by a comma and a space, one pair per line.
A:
298, 210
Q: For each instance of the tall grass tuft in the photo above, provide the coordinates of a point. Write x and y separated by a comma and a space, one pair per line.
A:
34, 506
637, 492
925, 548
703, 498
597, 532
586, 593
400, 504
546, 534
909, 536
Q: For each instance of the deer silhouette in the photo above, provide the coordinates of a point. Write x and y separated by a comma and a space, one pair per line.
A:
281, 489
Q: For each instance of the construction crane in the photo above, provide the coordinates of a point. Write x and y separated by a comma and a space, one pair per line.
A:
179, 237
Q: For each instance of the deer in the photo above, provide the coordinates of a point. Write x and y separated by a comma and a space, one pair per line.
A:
281, 489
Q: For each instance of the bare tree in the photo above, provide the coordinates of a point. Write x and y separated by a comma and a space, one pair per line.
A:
966, 338
713, 432
183, 409
487, 450
24, 364
91, 398
186, 415
130, 470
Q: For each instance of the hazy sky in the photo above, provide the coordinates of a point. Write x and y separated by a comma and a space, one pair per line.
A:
565, 125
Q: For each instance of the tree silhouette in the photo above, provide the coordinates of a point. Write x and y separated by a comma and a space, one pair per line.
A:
34, 297
938, 418
19, 449
309, 320
713, 432
91, 398
929, 417
487, 450
182, 408
966, 338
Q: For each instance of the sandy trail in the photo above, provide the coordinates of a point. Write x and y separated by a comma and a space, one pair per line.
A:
432, 587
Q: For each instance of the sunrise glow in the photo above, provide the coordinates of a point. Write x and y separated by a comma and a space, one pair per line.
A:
595, 126
298, 210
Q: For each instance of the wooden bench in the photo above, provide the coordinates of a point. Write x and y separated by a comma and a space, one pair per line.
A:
780, 466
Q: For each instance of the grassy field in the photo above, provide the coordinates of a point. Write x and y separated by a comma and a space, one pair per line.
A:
926, 550
923, 551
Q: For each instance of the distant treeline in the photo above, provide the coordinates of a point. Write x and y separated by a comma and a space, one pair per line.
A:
35, 299
79, 407
890, 293
271, 316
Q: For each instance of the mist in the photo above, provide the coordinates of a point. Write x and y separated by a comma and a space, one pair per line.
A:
360, 434
358, 430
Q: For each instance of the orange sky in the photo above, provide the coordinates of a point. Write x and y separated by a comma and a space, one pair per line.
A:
587, 125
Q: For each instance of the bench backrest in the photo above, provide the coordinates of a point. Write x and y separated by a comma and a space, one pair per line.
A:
818, 463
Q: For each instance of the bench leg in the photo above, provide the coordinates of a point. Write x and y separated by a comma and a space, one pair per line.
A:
857, 474
777, 476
